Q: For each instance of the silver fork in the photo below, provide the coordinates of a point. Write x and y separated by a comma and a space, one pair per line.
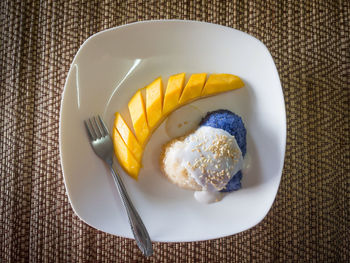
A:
102, 145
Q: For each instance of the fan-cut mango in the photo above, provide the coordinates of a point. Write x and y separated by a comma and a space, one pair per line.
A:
128, 137
124, 156
193, 88
173, 93
218, 83
154, 102
147, 115
138, 117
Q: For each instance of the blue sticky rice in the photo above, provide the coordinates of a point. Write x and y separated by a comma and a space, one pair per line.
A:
233, 124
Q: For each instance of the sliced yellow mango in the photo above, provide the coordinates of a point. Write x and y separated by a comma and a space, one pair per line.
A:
218, 83
193, 88
138, 117
146, 118
128, 137
154, 102
124, 156
173, 93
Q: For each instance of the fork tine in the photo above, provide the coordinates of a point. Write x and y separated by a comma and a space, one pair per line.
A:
93, 130
98, 128
104, 128
89, 131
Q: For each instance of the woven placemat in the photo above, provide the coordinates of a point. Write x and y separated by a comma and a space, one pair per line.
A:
310, 43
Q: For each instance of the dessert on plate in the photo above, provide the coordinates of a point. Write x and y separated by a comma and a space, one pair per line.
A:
208, 160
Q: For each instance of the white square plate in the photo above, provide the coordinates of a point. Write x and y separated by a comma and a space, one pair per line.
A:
110, 66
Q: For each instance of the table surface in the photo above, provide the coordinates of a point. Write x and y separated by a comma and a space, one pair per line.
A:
310, 43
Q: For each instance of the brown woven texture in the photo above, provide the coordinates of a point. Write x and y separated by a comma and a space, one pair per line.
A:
310, 43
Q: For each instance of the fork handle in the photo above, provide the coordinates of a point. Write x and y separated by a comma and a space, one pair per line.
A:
139, 230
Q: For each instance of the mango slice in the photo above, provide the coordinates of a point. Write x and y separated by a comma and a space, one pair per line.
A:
124, 156
173, 93
154, 102
147, 115
128, 137
138, 117
218, 83
193, 88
